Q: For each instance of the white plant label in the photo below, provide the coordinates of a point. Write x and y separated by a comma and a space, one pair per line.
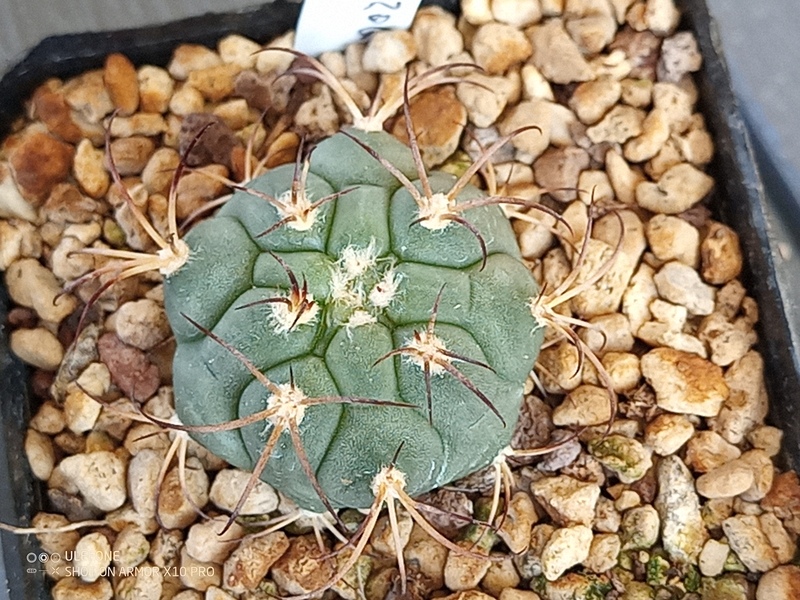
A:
329, 25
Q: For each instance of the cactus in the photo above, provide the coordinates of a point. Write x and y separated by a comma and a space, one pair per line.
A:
338, 300
352, 329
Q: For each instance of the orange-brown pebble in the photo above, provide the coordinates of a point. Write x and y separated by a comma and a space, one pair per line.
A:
122, 84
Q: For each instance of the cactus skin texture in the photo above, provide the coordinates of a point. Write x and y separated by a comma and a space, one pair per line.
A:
374, 275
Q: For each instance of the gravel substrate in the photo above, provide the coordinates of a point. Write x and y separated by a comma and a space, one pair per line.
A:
679, 499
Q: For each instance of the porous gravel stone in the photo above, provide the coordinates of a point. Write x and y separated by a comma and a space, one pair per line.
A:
556, 54
130, 368
707, 450
40, 454
725, 481
37, 347
484, 97
198, 575
728, 341
72, 588
529, 564
186, 100
760, 464
143, 470
679, 56
477, 12
534, 114
238, 49
667, 433
560, 368
593, 32
49, 419
439, 119
685, 383
497, 47
619, 125
464, 571
566, 499
584, 406
81, 410
781, 582
747, 404
137, 125
567, 547
750, 543
279, 62
158, 172
49, 106
661, 16
516, 528
534, 84
501, 575
12, 204
681, 284
87, 94
605, 294
655, 133
683, 531
519, 13
210, 541
68, 261
784, 544
608, 333
130, 154
624, 179
671, 238
99, 476
130, 548
251, 560
469, 595
148, 582
638, 296
89, 170
119, 75
592, 99
678, 189
228, 487
38, 163
141, 324
639, 528
721, 254
18, 240
626, 457
92, 556
713, 557
389, 51
155, 89
557, 171
176, 505
216, 82
33, 285
302, 568
436, 36
603, 553
622, 368
766, 438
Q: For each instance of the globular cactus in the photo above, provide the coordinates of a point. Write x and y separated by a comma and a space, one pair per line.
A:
352, 329
338, 285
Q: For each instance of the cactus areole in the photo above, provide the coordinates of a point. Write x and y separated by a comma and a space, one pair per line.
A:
356, 322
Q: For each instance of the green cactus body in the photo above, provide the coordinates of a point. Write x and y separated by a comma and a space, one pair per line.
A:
374, 276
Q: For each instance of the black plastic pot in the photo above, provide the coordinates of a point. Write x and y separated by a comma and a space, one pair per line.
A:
738, 200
